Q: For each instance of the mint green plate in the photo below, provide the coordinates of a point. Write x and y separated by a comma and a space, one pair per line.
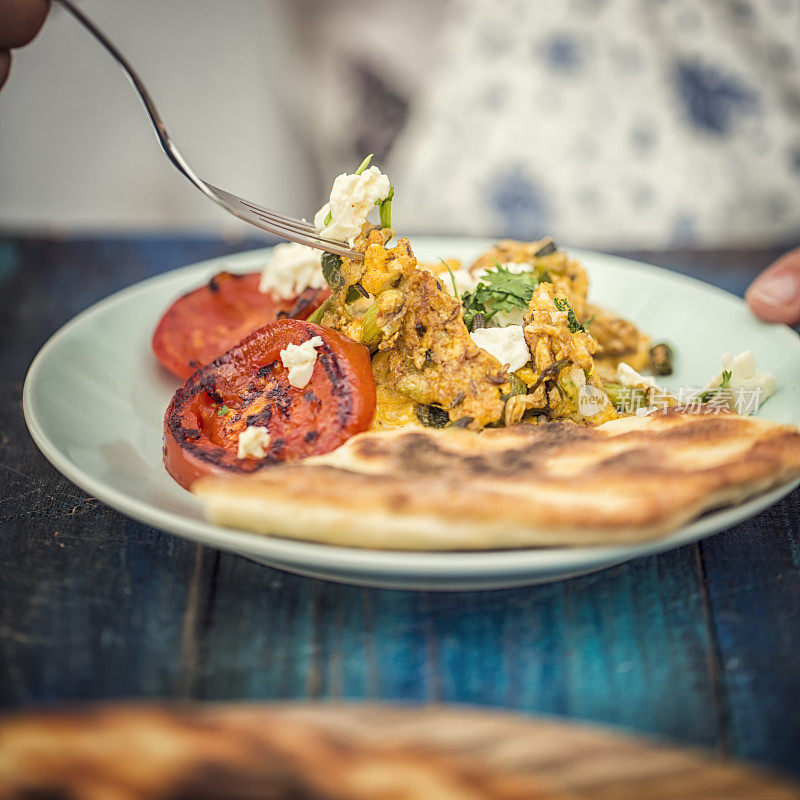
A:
94, 401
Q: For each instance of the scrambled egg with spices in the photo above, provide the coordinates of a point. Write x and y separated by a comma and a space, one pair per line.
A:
509, 338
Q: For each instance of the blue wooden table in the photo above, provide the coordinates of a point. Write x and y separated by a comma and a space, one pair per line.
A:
700, 645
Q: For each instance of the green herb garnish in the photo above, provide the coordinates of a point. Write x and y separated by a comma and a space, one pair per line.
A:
711, 394
385, 208
499, 290
355, 293
364, 164
452, 278
222, 410
331, 270
562, 304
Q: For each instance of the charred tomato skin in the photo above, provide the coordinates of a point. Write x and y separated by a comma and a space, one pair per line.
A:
206, 322
249, 386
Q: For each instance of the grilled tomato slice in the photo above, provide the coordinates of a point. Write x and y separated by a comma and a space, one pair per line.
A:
208, 321
249, 387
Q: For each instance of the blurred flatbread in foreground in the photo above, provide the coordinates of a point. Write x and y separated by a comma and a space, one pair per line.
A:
626, 481
313, 752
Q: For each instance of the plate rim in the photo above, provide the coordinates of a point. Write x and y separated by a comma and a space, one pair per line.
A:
449, 570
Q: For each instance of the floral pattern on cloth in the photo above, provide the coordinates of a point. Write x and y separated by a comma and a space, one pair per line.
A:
608, 123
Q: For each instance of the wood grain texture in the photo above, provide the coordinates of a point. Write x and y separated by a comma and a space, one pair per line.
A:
92, 604
699, 645
629, 646
752, 579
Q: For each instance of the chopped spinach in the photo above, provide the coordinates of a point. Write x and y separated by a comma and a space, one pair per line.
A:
499, 290
562, 304
432, 416
331, 270
548, 248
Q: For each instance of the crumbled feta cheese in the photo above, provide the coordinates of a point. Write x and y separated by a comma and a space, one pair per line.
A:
629, 377
748, 387
253, 442
299, 359
291, 269
507, 345
352, 198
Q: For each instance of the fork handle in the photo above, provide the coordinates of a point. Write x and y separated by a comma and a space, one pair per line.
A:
164, 139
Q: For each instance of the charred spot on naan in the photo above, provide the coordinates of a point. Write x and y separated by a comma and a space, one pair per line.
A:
532, 449
500, 451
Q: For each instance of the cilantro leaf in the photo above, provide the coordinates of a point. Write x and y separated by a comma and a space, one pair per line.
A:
726, 379
222, 410
562, 304
499, 290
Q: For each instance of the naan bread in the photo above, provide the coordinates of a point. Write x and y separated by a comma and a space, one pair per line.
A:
310, 751
250, 753
626, 481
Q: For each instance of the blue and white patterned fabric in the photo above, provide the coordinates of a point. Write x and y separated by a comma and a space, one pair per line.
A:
610, 123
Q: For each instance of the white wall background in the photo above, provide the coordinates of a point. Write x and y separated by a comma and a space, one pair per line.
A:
77, 150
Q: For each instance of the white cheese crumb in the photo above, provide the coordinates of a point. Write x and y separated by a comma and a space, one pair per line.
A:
291, 269
299, 359
253, 442
629, 377
507, 345
352, 198
748, 387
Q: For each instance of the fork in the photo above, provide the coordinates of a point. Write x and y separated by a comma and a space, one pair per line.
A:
296, 230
